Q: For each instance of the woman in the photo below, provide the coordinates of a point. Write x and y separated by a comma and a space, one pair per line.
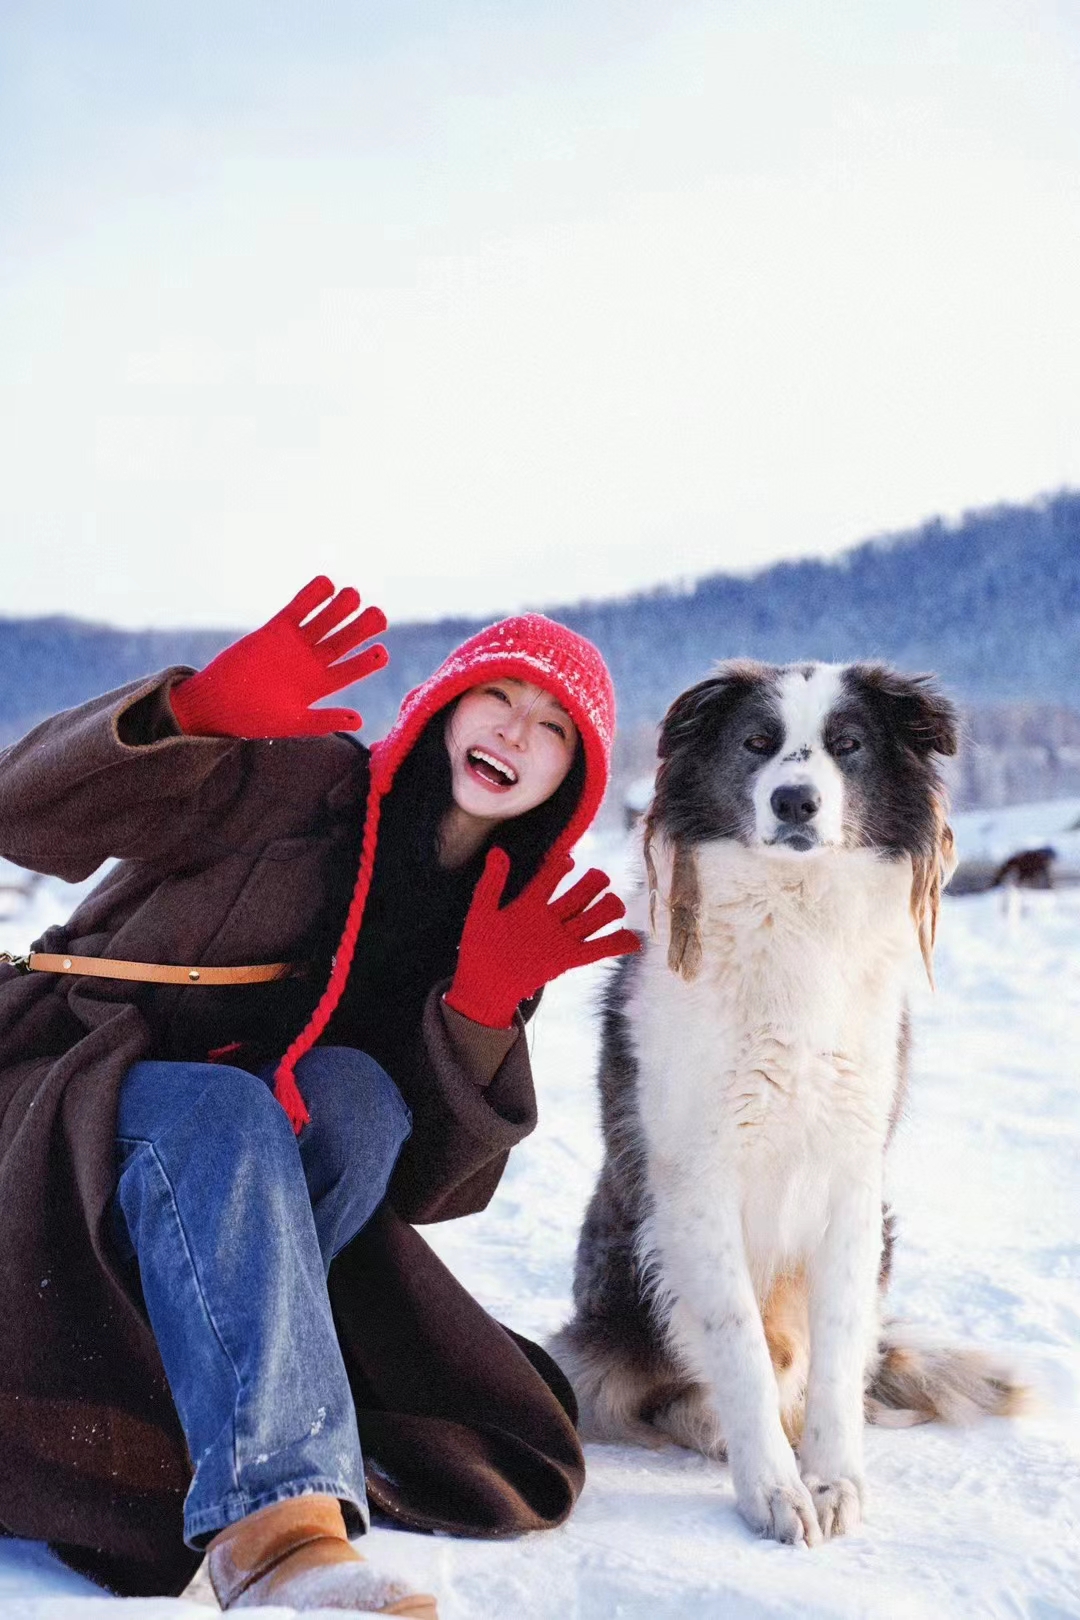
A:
209, 1286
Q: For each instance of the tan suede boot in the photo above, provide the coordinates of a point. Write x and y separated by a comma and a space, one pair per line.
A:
296, 1553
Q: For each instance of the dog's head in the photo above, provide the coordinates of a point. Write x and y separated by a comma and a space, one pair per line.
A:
800, 759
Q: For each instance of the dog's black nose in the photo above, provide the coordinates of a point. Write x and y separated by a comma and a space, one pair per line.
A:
795, 805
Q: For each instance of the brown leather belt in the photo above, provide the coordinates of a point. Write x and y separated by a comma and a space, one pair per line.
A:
104, 967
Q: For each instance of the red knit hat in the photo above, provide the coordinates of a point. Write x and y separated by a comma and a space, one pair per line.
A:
529, 648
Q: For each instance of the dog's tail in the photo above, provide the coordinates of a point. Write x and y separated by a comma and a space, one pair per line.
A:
920, 1383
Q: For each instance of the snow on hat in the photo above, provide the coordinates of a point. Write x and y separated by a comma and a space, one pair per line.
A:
531, 648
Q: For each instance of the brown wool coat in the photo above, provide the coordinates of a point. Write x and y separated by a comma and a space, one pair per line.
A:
230, 852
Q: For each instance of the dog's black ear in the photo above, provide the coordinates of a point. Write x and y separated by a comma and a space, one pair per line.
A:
918, 708
701, 710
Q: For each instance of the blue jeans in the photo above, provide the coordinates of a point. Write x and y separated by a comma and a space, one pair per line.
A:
233, 1221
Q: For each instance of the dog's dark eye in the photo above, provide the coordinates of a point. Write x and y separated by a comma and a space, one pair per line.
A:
846, 745
759, 744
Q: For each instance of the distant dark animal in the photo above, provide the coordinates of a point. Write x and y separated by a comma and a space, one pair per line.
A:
733, 1258
1027, 869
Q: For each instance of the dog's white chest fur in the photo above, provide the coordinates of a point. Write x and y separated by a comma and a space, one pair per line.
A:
774, 1068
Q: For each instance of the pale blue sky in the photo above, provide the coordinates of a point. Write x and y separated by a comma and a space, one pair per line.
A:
476, 305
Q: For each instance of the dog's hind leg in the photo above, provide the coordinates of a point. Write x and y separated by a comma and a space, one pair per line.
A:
690, 1419
614, 1389
611, 1350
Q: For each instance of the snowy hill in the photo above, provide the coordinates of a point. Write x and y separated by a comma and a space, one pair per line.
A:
979, 1523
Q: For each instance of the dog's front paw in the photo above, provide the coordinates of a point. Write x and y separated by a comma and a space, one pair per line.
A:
838, 1503
781, 1508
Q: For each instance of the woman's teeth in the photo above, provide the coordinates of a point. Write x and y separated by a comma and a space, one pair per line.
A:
491, 769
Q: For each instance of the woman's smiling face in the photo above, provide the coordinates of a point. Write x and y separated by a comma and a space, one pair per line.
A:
511, 745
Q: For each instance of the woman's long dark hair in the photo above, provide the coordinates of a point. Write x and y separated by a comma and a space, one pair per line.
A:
416, 909
422, 793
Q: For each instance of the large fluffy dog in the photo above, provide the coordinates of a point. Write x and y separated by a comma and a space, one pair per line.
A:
732, 1260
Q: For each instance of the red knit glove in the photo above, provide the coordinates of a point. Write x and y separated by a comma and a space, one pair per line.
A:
264, 684
507, 953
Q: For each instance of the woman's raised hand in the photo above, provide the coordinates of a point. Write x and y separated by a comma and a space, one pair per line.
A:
265, 683
508, 952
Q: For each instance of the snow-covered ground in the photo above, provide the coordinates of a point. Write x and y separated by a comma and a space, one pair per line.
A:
985, 1176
